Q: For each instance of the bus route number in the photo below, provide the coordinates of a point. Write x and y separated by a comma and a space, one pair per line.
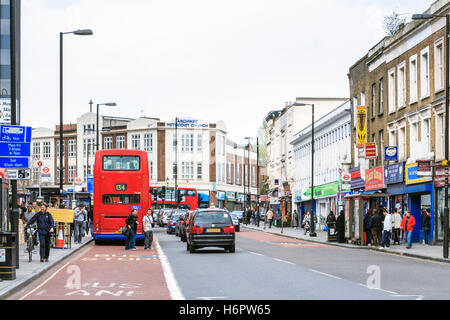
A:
121, 187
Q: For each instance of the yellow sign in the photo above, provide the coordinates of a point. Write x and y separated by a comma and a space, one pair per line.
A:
361, 126
62, 215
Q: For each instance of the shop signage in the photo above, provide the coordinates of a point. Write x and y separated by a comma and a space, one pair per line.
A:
274, 200
424, 168
5, 111
186, 123
390, 153
221, 195
361, 126
90, 183
326, 190
394, 173
411, 175
357, 181
231, 195
371, 150
439, 176
374, 179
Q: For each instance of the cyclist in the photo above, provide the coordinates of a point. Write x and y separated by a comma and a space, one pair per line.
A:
45, 226
27, 215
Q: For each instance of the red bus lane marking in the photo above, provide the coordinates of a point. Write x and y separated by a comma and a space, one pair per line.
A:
283, 241
91, 276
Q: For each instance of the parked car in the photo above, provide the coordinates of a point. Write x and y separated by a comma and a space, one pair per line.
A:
239, 215
179, 223
172, 222
163, 217
237, 224
210, 228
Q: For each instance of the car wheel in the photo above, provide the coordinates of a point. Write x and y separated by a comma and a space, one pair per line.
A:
183, 239
191, 249
232, 248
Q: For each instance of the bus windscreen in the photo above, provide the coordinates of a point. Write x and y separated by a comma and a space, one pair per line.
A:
121, 163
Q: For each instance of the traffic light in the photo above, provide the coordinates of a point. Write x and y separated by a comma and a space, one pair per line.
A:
163, 192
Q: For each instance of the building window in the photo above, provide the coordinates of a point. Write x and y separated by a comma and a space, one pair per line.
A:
401, 86
374, 95
148, 142
58, 172
441, 135
72, 171
254, 176
199, 143
107, 143
88, 144
439, 65
72, 148
47, 150
381, 110
187, 143
413, 79
187, 170
136, 141
426, 133
424, 74
174, 170
150, 169
91, 169
120, 142
381, 147
402, 144
57, 148
199, 171
36, 150
391, 90
238, 173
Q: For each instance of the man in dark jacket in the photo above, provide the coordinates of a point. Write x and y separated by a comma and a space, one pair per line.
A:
132, 224
45, 226
340, 227
376, 226
426, 224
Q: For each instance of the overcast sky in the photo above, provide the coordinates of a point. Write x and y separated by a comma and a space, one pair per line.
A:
230, 60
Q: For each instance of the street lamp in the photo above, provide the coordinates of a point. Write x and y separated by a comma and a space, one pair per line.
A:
82, 32
312, 233
257, 176
109, 104
447, 97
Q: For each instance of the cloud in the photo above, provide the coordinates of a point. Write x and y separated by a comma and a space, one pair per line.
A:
215, 60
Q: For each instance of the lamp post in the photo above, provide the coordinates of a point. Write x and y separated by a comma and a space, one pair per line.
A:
312, 233
85, 32
447, 97
109, 104
257, 173
176, 162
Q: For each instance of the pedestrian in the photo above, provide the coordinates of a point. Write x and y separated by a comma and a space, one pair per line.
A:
396, 222
340, 227
79, 221
307, 222
45, 226
278, 218
331, 218
147, 224
294, 220
258, 217
90, 213
270, 217
26, 216
132, 224
376, 227
35, 207
367, 227
387, 230
407, 225
426, 225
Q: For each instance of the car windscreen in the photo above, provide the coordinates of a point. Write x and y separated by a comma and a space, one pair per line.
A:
174, 217
209, 217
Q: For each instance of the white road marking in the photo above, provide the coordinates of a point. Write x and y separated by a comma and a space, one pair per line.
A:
258, 254
419, 297
210, 298
172, 284
326, 274
379, 289
283, 261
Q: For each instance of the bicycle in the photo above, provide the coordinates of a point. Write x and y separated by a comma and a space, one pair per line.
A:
30, 243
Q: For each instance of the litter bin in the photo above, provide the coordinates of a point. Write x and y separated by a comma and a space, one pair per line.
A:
331, 232
8, 255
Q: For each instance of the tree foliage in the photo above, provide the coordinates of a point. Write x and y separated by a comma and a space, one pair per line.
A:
392, 23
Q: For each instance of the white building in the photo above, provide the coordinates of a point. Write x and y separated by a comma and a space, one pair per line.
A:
332, 151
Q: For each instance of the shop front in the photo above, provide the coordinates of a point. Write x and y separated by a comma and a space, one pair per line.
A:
221, 199
231, 204
394, 177
439, 200
203, 198
374, 183
420, 191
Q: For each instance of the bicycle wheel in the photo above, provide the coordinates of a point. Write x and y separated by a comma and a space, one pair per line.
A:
30, 249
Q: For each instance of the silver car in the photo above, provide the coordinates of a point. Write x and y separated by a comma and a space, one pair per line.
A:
237, 224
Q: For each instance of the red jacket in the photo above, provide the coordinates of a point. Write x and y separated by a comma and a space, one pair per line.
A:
411, 223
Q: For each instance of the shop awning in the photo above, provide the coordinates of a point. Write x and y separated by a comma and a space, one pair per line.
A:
371, 195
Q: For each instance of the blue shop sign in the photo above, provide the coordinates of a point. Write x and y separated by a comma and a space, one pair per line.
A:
391, 153
394, 173
357, 181
221, 195
90, 183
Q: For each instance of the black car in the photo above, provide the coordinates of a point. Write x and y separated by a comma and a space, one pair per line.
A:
183, 227
180, 223
211, 228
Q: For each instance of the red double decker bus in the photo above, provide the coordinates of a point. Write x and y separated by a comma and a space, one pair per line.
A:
188, 198
121, 179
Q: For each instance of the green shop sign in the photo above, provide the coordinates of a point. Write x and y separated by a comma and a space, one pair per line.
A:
326, 190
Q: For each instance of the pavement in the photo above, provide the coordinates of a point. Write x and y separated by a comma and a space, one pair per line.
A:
418, 250
29, 271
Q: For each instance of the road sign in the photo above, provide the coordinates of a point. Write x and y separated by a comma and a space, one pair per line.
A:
90, 183
371, 150
15, 147
346, 177
14, 163
340, 170
46, 170
39, 163
78, 181
19, 174
15, 134
74, 176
